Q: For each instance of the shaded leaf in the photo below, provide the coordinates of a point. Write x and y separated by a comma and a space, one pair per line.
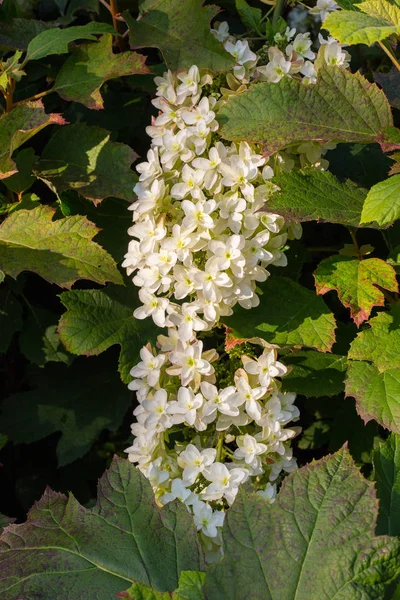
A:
341, 107
39, 340
315, 374
382, 203
317, 196
80, 401
89, 66
98, 319
55, 41
316, 540
249, 16
5, 521
17, 34
84, 158
373, 374
181, 30
387, 478
10, 317
23, 179
391, 86
60, 251
302, 319
17, 127
357, 283
124, 538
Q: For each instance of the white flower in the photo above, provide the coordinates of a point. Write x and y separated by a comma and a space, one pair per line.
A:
248, 449
156, 474
222, 32
268, 493
224, 482
152, 306
323, 8
194, 461
179, 491
187, 322
190, 81
156, 410
277, 67
198, 215
266, 367
218, 400
149, 367
191, 184
184, 409
210, 165
206, 520
228, 254
250, 396
188, 363
302, 46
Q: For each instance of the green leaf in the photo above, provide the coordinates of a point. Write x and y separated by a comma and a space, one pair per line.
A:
5, 522
315, 374
390, 82
60, 251
55, 41
23, 179
302, 319
10, 317
17, 34
341, 106
181, 30
98, 319
39, 340
351, 27
91, 65
84, 158
382, 203
384, 9
373, 374
356, 282
249, 16
190, 584
17, 127
317, 196
80, 401
316, 540
124, 538
387, 478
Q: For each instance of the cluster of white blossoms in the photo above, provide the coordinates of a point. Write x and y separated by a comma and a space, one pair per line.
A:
232, 435
202, 242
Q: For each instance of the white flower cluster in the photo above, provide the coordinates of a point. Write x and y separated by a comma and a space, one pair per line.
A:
232, 435
202, 242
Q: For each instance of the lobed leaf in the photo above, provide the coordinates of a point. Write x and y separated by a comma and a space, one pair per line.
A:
56, 41
123, 539
315, 195
351, 27
95, 320
302, 319
357, 283
190, 584
373, 374
341, 107
17, 127
315, 374
181, 30
316, 540
83, 158
89, 66
60, 251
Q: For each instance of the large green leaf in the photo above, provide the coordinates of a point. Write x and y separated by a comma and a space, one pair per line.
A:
373, 374
351, 27
357, 282
341, 107
89, 66
67, 551
181, 30
316, 541
314, 195
314, 374
79, 401
98, 319
387, 478
60, 251
383, 202
84, 158
17, 127
39, 340
288, 314
17, 34
55, 41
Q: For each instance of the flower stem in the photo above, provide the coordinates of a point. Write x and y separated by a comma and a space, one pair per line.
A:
220, 447
390, 55
277, 11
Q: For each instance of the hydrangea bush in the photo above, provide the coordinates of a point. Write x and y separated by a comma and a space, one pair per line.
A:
247, 267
